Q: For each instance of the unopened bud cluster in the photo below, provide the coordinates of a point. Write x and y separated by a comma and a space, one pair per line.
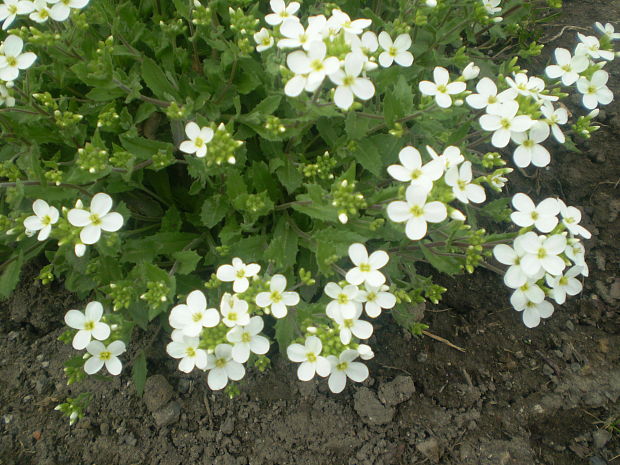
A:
92, 159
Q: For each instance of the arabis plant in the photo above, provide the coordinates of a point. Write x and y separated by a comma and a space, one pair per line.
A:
261, 176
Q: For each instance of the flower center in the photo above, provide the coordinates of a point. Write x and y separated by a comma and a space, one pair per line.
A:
241, 274
12, 9
105, 355
311, 357
542, 253
46, 220
11, 61
246, 337
492, 99
266, 41
232, 316
461, 184
416, 210
220, 362
317, 65
347, 323
416, 173
348, 81
89, 325
566, 68
196, 317
95, 219
191, 352
393, 51
591, 89
528, 143
365, 268
534, 215
371, 297
342, 366
442, 89
343, 299
275, 297
505, 123
198, 142
563, 281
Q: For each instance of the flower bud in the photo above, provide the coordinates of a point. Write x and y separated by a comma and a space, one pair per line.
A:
471, 71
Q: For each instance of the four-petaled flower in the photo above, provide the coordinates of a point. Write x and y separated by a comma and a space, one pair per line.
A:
88, 324
459, 178
442, 89
277, 299
187, 349
194, 315
223, 367
416, 212
238, 273
350, 83
397, 51
344, 367
102, 355
246, 339
281, 11
11, 8
412, 170
234, 311
309, 356
366, 267
42, 220
98, 218
61, 9
12, 59
198, 139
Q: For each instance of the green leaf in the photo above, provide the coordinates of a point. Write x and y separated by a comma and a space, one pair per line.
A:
283, 247
156, 80
138, 373
269, 105
356, 126
10, 275
187, 261
367, 154
445, 264
285, 331
289, 176
235, 185
213, 210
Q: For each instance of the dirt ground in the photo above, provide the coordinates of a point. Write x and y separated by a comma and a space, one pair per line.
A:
516, 397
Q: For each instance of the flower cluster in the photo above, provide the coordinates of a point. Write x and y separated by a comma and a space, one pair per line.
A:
90, 332
200, 139
98, 217
447, 175
331, 350
221, 340
337, 48
537, 263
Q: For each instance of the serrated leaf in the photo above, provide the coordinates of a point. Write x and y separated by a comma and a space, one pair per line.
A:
283, 247
213, 211
367, 154
289, 176
187, 261
138, 373
156, 80
443, 263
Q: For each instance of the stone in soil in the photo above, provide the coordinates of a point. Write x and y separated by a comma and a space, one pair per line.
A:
157, 392
397, 391
370, 409
430, 449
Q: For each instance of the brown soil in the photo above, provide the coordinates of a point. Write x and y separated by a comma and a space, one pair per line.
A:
516, 397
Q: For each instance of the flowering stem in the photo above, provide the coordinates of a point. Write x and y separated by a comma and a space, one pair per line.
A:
38, 183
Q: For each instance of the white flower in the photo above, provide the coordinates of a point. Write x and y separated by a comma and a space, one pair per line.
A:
534, 311
296, 36
263, 39
234, 311
528, 292
375, 299
351, 325
344, 367
576, 252
543, 216
12, 59
529, 150
11, 8
365, 351
238, 273
459, 178
397, 51
416, 212
565, 284
198, 139
568, 67
514, 277
41, 11
471, 71
350, 83
366, 268
42, 220
504, 123
277, 299
571, 217
102, 355
591, 46
529, 87
308, 355
542, 252
487, 96
98, 218
554, 117
79, 249
412, 170
339, 20
608, 30
187, 349
5, 97
246, 339
441, 89
497, 179
280, 12
594, 90
310, 68
194, 315
61, 9
345, 300
223, 367
492, 6
450, 157
88, 325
